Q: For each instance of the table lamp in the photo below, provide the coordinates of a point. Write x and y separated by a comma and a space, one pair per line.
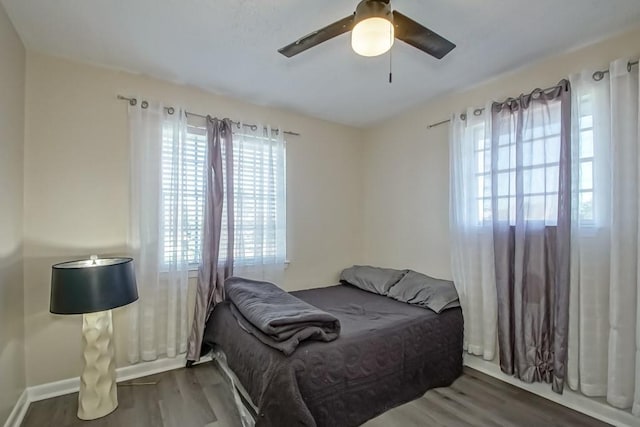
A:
92, 288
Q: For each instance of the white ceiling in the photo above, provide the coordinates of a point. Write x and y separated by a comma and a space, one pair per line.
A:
230, 46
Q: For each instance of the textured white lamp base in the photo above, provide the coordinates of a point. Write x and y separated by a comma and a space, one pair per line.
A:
98, 394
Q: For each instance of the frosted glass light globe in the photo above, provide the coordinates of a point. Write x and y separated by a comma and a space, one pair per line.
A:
372, 36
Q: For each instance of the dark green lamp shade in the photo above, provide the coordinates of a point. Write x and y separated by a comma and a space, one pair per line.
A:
87, 286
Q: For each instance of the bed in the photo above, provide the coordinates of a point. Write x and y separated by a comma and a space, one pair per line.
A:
388, 353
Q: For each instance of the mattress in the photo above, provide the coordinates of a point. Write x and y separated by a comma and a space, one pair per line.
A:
388, 353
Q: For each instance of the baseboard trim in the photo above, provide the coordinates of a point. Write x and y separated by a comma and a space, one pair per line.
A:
139, 370
72, 385
53, 389
19, 410
571, 399
576, 401
124, 373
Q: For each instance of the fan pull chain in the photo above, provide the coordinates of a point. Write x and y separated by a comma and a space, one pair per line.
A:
391, 57
390, 69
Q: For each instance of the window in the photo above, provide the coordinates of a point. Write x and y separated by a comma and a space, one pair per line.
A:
259, 196
539, 166
259, 200
187, 164
482, 148
586, 159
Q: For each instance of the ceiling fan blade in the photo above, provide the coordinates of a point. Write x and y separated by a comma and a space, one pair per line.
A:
322, 35
418, 36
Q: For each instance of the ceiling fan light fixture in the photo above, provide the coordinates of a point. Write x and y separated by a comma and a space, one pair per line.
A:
373, 32
372, 37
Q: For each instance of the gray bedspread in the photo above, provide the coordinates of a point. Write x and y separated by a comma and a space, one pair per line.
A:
388, 353
277, 318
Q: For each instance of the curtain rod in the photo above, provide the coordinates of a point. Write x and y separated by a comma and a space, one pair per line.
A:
479, 111
171, 110
597, 76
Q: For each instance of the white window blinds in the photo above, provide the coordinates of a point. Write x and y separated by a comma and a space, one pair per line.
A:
259, 195
259, 198
185, 163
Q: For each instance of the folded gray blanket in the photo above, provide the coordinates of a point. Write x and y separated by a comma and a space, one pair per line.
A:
276, 317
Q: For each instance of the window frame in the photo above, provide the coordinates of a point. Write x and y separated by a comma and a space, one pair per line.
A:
197, 134
482, 147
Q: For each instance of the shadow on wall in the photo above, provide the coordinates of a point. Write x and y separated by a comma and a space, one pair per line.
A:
12, 372
53, 342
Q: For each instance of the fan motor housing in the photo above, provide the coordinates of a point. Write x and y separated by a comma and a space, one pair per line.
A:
373, 8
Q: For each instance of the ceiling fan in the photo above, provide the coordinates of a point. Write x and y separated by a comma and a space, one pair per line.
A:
374, 27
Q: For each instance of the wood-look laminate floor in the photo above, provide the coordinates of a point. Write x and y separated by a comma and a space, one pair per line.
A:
200, 397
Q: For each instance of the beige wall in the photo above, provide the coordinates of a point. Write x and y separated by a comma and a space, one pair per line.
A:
406, 166
394, 176
12, 69
76, 191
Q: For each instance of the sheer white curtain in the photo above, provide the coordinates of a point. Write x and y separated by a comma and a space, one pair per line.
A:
158, 232
471, 228
260, 203
604, 359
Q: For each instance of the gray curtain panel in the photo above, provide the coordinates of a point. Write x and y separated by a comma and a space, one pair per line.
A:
531, 211
214, 269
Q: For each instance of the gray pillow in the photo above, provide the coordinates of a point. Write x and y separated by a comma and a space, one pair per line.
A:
420, 289
372, 279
